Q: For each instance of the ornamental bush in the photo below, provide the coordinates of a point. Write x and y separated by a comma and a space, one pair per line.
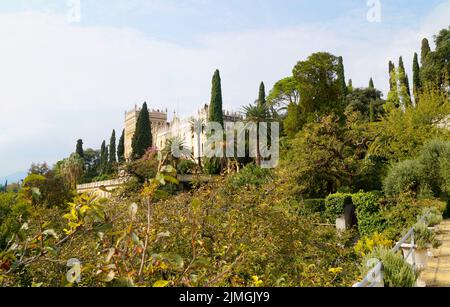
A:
404, 177
368, 212
335, 203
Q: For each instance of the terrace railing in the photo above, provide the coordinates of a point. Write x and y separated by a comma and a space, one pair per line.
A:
375, 276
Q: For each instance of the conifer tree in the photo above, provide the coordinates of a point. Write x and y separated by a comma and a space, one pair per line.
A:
112, 148
391, 80
103, 157
425, 50
405, 92
371, 85
142, 138
393, 100
416, 77
121, 148
215, 107
79, 150
262, 94
341, 78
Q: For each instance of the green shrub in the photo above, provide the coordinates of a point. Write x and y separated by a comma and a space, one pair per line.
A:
425, 237
435, 159
186, 167
404, 177
212, 166
314, 205
368, 212
396, 271
250, 175
335, 203
13, 214
432, 216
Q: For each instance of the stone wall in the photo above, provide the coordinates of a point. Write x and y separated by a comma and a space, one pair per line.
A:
102, 188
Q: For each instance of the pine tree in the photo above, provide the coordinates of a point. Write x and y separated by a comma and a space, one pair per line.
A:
262, 94
371, 85
79, 150
215, 107
341, 77
425, 50
416, 77
112, 148
142, 138
121, 148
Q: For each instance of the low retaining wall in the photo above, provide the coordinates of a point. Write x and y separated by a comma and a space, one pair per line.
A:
102, 188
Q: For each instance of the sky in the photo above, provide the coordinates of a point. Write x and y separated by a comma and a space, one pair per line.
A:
65, 76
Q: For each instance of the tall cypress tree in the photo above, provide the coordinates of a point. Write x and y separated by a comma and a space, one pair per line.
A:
416, 77
404, 82
425, 50
79, 150
121, 148
215, 107
391, 70
341, 77
142, 138
103, 157
262, 94
112, 148
371, 85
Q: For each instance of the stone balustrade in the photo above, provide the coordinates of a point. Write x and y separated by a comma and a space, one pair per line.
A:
102, 188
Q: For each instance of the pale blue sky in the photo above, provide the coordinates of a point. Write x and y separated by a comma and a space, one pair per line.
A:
75, 80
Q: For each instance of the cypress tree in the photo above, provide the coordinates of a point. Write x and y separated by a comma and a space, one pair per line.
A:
341, 77
425, 50
404, 83
112, 148
262, 94
416, 76
103, 157
371, 85
142, 138
79, 150
121, 148
391, 80
215, 107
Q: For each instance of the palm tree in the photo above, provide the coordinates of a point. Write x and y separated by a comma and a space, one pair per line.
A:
257, 113
198, 127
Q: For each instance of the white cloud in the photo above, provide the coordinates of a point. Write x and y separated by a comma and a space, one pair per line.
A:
60, 82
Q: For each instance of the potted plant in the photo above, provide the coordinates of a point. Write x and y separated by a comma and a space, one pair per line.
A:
432, 218
396, 273
424, 239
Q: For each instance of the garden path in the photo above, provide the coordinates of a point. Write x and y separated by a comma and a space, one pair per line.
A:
437, 273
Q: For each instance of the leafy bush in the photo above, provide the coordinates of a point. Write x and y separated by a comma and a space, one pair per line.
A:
212, 166
396, 271
435, 159
335, 204
186, 167
425, 237
432, 216
13, 214
367, 244
368, 212
314, 205
250, 175
404, 177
